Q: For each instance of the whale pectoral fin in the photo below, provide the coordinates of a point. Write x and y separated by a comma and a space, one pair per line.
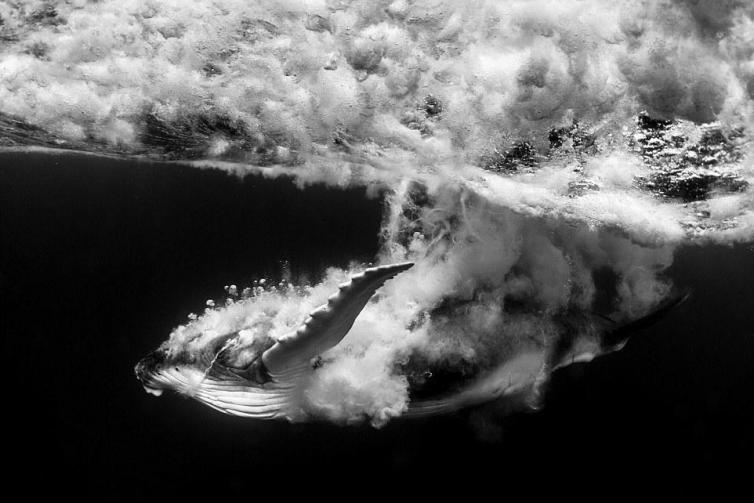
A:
329, 324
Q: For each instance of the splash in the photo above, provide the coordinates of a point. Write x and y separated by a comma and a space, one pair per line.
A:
542, 159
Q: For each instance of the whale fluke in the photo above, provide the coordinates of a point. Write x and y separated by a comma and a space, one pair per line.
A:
619, 335
523, 372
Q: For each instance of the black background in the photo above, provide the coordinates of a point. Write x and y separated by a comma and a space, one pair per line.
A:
101, 258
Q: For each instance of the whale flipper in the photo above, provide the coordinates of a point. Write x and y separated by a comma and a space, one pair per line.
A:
328, 324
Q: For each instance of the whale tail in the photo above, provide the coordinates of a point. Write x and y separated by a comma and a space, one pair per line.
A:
618, 335
522, 376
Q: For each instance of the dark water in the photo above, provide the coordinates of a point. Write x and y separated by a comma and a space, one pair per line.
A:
100, 259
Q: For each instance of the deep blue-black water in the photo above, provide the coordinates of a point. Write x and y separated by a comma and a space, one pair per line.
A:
101, 258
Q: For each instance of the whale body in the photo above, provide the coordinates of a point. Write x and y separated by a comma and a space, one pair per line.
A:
271, 380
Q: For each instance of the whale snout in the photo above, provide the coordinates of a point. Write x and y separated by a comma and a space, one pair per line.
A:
149, 364
146, 369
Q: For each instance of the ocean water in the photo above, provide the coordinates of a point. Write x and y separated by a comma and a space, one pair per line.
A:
102, 258
553, 169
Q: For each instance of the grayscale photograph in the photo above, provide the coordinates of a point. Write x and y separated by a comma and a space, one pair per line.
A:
250, 247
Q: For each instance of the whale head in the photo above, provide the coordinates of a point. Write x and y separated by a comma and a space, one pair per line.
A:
248, 372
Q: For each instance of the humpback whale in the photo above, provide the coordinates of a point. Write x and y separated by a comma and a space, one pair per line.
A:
270, 386
271, 379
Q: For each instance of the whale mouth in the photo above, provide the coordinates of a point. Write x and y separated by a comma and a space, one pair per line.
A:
147, 379
152, 391
146, 370
154, 377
